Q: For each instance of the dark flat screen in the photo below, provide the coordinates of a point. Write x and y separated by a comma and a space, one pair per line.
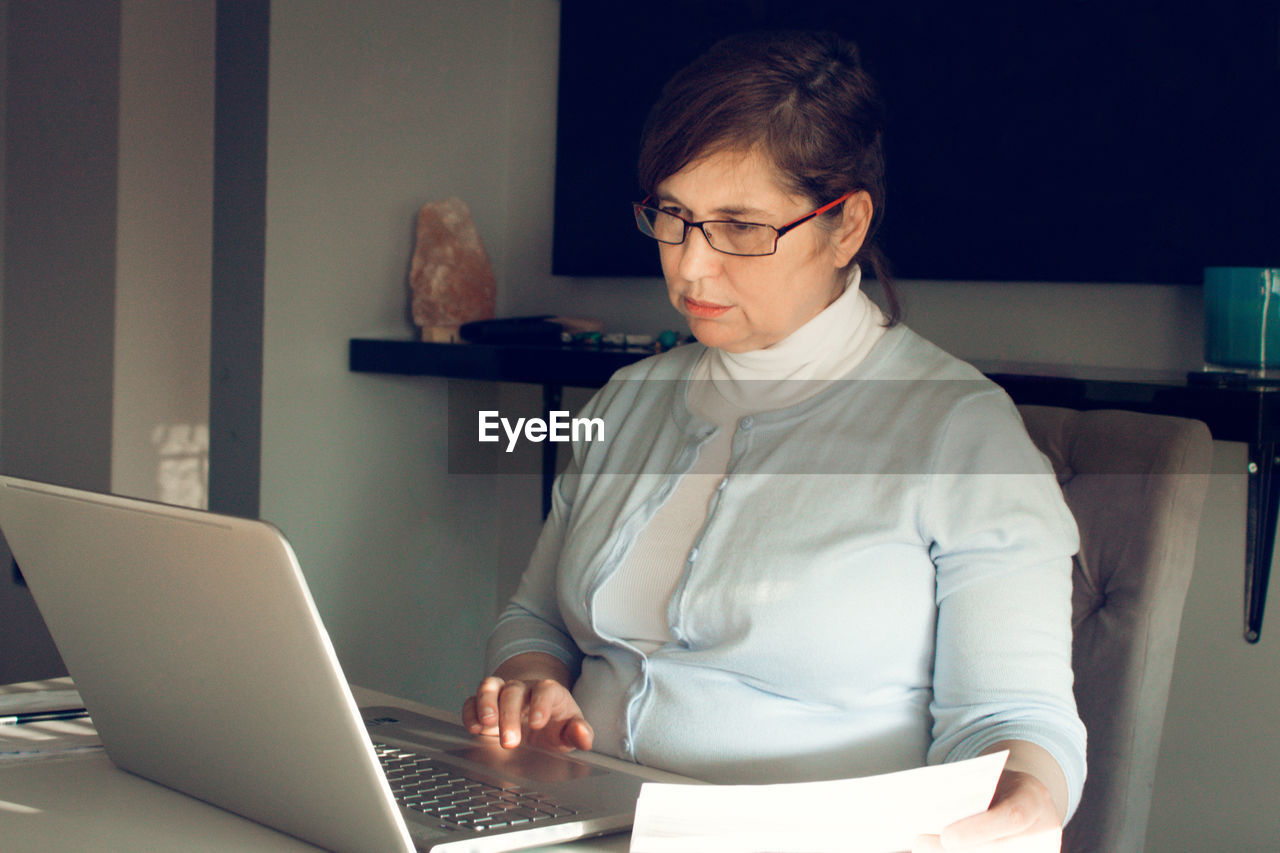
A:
1054, 140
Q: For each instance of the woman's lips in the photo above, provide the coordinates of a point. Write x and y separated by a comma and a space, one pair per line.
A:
704, 310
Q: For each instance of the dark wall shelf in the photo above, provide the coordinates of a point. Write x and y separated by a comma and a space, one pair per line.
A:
572, 366
1234, 410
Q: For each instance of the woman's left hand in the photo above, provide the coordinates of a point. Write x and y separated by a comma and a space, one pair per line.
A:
1022, 817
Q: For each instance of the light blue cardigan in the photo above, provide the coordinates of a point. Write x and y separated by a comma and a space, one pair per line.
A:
883, 579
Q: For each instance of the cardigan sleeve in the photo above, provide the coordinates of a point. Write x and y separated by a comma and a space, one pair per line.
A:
1002, 538
532, 622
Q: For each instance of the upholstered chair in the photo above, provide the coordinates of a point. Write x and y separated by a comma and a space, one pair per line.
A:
1136, 484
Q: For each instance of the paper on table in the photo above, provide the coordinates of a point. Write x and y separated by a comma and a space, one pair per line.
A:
47, 739
873, 814
30, 701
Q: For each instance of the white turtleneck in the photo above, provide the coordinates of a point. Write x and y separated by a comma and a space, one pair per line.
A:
633, 601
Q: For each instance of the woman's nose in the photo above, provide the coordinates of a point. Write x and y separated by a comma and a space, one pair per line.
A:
697, 258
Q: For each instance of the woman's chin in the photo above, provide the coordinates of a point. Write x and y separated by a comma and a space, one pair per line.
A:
719, 336
707, 333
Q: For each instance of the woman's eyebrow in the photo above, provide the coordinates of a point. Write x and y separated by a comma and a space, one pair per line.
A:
723, 210
740, 210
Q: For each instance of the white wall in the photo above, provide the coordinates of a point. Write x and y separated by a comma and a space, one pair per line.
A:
376, 108
164, 244
1218, 783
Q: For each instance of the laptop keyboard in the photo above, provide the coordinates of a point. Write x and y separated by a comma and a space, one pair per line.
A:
440, 791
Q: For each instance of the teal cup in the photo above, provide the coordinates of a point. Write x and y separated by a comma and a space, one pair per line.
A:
1242, 318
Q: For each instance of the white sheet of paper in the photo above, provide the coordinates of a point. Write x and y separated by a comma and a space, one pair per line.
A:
47, 740
29, 701
872, 814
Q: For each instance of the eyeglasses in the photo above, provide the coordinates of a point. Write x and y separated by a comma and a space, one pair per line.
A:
746, 239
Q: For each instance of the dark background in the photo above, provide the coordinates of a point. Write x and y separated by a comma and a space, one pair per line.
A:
1054, 140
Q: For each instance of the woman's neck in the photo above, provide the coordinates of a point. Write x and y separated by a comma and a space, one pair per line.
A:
821, 351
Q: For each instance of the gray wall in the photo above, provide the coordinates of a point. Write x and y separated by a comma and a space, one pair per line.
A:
373, 112
107, 147
60, 218
60, 143
378, 107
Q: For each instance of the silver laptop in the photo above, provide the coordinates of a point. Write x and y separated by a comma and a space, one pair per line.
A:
202, 660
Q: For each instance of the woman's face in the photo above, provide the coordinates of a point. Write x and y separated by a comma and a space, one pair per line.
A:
748, 303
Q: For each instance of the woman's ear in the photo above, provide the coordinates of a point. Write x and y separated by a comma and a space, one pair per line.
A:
849, 235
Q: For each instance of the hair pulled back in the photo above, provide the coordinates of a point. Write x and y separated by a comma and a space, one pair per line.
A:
803, 98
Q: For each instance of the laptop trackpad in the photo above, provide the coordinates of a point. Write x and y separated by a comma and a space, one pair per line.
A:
453, 740
528, 764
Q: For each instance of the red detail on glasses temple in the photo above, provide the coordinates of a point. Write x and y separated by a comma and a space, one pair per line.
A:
819, 211
645, 201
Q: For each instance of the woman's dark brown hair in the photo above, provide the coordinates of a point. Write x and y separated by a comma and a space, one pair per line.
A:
801, 97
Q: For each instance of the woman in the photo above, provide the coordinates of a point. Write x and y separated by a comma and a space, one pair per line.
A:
813, 545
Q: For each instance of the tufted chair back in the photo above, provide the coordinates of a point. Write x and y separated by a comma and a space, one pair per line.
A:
1136, 485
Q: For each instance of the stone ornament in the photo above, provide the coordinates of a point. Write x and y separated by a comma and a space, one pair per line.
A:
451, 277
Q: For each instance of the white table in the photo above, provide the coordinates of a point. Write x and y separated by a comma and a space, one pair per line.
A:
83, 802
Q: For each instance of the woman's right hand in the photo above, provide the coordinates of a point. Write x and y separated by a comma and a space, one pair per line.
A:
528, 701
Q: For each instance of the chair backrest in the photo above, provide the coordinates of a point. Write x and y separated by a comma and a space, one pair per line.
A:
1136, 484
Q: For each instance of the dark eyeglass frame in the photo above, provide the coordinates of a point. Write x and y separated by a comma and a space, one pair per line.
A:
639, 206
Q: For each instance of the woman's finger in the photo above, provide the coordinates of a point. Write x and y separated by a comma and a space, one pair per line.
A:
1000, 821
512, 706
927, 844
1022, 809
486, 701
564, 734
578, 734
547, 700
470, 720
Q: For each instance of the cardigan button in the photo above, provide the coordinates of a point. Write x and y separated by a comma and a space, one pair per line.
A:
746, 423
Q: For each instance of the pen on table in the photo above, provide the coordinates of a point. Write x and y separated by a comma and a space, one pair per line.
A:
44, 716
